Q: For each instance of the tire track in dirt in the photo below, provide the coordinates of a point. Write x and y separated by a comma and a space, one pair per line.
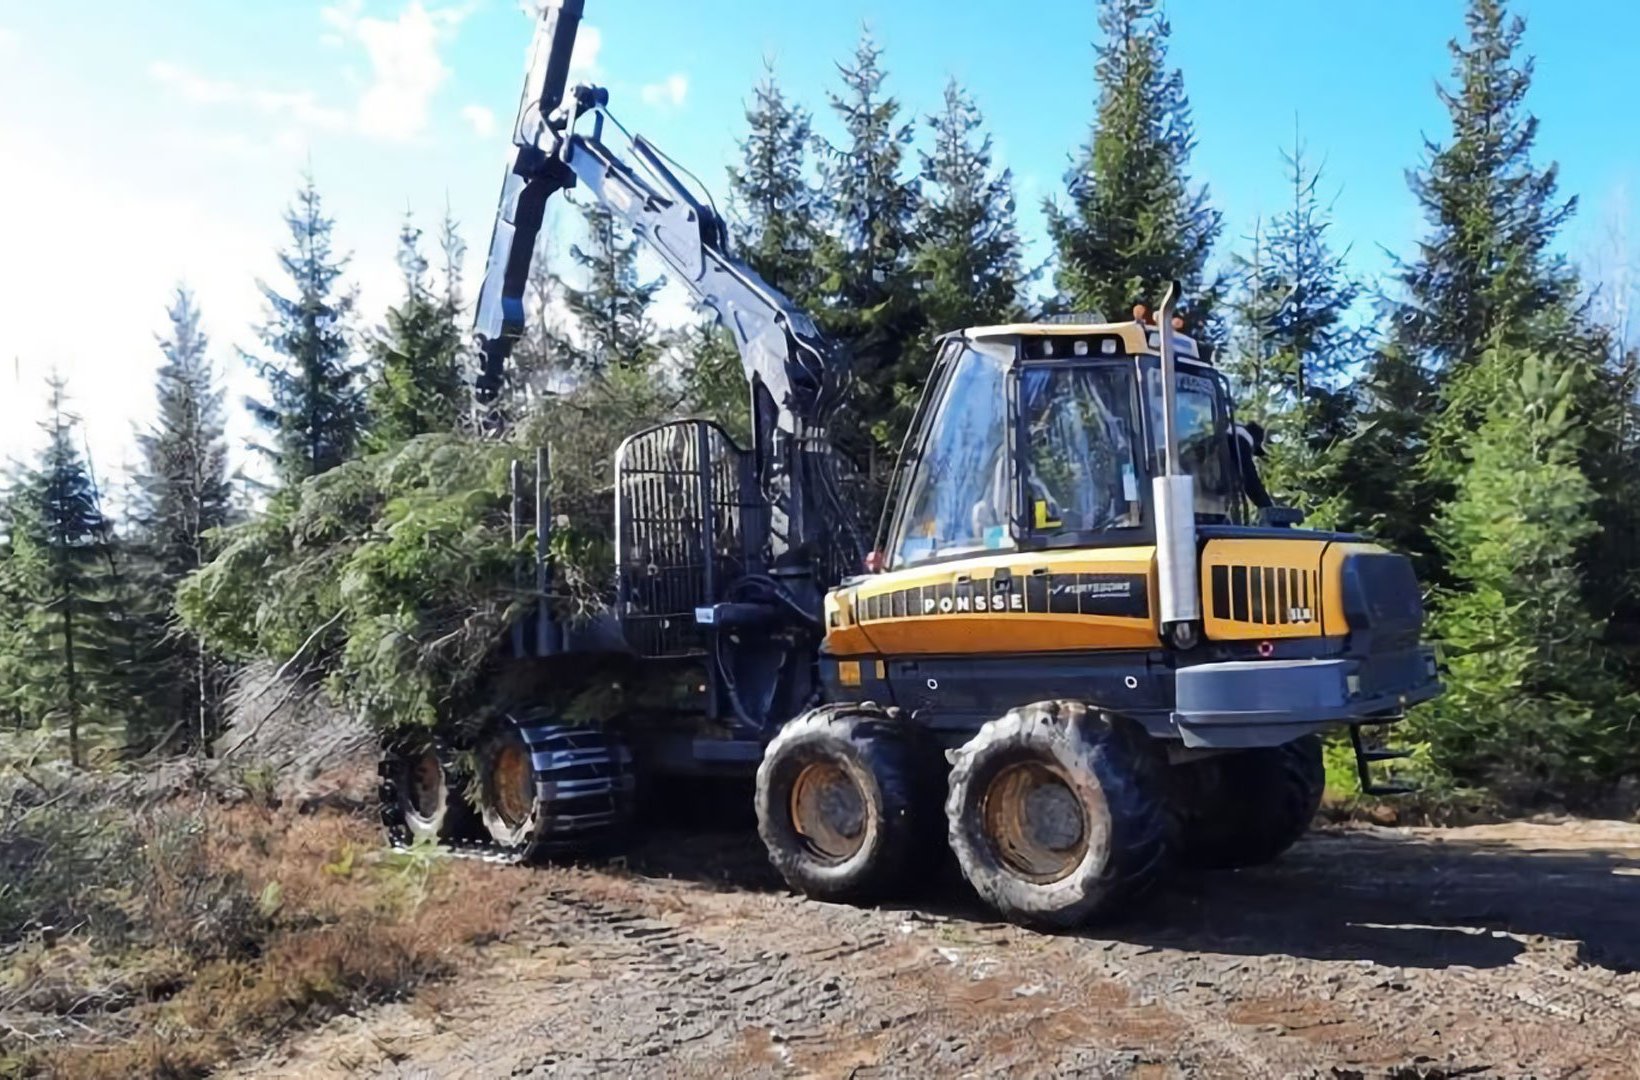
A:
1363, 954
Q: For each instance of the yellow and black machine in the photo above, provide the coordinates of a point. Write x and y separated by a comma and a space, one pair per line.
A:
1072, 652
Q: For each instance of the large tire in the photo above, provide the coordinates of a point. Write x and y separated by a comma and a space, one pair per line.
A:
1056, 814
838, 805
547, 790
423, 797
1246, 808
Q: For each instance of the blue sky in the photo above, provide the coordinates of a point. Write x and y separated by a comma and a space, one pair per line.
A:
146, 143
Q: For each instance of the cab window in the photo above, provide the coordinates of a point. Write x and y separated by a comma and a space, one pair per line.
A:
958, 497
1082, 456
1204, 440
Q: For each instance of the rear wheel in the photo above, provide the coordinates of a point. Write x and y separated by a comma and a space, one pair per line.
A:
1246, 808
422, 798
837, 806
546, 790
1054, 814
507, 788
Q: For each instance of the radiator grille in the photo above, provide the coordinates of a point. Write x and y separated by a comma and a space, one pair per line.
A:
1265, 595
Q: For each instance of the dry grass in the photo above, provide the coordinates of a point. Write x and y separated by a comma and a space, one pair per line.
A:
234, 926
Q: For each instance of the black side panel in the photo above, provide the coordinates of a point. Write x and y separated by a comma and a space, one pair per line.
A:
965, 692
1382, 601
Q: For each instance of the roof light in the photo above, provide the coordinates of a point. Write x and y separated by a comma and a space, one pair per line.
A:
1108, 346
1080, 348
1047, 347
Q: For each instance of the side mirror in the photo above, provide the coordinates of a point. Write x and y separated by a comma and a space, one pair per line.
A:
1280, 517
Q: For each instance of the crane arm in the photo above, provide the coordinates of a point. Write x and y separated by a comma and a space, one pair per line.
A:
804, 374
797, 376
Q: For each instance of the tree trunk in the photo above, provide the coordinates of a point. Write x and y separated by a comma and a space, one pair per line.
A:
72, 678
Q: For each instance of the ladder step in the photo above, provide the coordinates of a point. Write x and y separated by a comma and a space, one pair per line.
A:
1389, 789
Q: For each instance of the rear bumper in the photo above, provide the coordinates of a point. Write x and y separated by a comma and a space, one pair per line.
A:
1250, 703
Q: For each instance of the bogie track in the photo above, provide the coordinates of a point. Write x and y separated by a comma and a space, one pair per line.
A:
542, 790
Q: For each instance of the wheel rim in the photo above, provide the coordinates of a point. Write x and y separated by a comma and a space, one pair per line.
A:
512, 784
426, 785
829, 811
1035, 821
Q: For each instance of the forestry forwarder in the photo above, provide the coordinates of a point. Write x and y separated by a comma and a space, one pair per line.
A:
1067, 608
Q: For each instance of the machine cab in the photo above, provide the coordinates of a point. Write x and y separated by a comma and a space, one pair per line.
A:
1046, 436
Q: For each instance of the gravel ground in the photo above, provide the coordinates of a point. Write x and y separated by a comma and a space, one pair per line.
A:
1509, 950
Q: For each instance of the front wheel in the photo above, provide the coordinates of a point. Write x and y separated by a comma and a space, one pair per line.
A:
1055, 814
1246, 808
837, 806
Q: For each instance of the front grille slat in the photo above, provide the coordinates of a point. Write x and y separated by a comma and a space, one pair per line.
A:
1264, 595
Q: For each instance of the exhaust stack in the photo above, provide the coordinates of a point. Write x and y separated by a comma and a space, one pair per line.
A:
1175, 499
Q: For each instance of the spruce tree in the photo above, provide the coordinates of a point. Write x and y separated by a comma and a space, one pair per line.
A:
1378, 479
714, 378
1135, 221
315, 407
777, 205
16, 573
70, 627
610, 307
968, 262
1532, 708
1487, 268
1296, 345
869, 292
181, 495
1485, 282
417, 356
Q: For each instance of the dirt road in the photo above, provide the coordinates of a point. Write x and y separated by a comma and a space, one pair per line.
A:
1490, 951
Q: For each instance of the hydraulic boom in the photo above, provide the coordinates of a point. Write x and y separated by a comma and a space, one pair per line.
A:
797, 376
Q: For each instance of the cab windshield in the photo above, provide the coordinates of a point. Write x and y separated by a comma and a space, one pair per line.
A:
1082, 464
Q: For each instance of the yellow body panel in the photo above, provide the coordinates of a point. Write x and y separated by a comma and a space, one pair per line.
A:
1018, 602
1262, 589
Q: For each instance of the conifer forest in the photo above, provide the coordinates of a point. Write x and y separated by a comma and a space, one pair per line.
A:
172, 637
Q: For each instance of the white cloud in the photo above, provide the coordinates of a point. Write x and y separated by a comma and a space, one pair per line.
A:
406, 70
480, 119
193, 87
671, 90
589, 42
299, 107
406, 73
8, 40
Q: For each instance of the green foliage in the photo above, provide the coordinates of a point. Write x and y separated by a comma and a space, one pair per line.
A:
388, 576
777, 206
967, 262
714, 379
1418, 770
1295, 345
1487, 267
393, 577
869, 294
1532, 706
1134, 221
315, 408
417, 356
610, 308
60, 569
182, 496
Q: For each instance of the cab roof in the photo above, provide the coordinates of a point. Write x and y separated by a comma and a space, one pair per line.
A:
1137, 338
